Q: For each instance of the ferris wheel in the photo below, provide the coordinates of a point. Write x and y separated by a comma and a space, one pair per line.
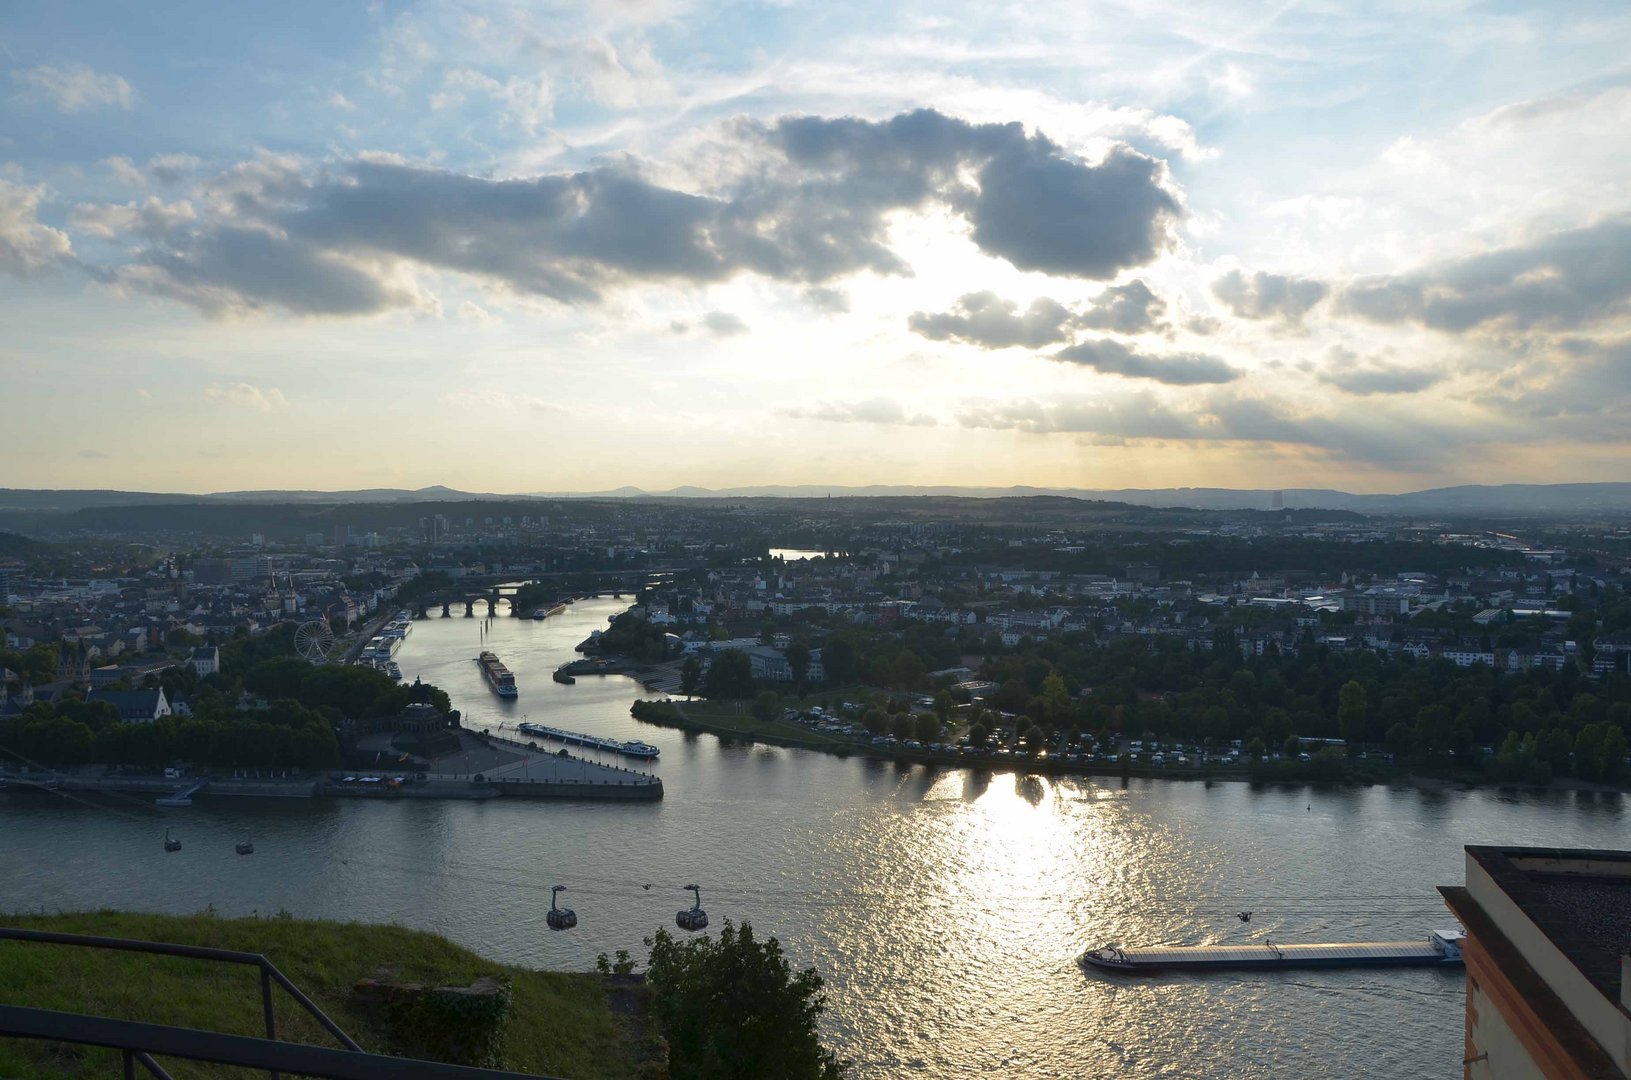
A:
313, 639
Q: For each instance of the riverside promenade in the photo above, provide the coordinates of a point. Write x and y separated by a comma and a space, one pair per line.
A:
538, 773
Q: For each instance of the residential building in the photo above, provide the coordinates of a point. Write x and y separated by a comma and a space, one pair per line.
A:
135, 706
206, 660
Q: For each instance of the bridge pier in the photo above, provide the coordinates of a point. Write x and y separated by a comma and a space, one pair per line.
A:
470, 609
447, 613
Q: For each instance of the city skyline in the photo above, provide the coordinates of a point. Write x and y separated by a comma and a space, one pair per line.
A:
507, 248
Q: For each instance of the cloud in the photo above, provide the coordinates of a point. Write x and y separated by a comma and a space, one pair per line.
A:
75, 87
814, 203
724, 324
872, 411
152, 218
1133, 308
94, 455
28, 247
473, 312
1366, 378
1030, 203
125, 170
245, 396
1177, 369
162, 168
1267, 296
826, 300
487, 402
1561, 281
172, 168
1135, 416
1405, 441
986, 320
238, 271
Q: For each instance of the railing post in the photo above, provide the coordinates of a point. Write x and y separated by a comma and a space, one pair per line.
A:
130, 1065
266, 1006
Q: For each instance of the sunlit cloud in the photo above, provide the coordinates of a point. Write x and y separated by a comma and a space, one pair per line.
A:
246, 396
74, 87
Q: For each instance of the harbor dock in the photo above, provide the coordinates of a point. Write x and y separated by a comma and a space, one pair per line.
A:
1437, 949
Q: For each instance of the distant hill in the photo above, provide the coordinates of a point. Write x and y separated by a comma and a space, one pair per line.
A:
1516, 499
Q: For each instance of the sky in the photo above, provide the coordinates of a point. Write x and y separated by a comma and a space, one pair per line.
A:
514, 247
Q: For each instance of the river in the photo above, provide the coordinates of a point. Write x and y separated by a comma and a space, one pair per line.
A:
945, 908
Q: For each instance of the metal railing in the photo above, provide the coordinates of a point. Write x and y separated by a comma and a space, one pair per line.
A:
137, 1041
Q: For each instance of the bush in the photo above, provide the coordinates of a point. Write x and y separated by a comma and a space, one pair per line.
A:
733, 1009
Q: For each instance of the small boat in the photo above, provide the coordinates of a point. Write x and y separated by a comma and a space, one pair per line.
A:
245, 846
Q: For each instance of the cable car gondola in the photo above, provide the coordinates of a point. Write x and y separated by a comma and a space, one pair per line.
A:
560, 918
246, 846
170, 842
692, 918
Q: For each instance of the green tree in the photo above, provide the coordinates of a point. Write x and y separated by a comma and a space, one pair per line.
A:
1351, 709
841, 660
1056, 702
1401, 740
729, 676
978, 733
900, 726
767, 706
926, 726
733, 1009
798, 662
875, 720
690, 676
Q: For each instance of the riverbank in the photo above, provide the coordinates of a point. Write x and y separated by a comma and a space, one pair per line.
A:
732, 720
561, 1023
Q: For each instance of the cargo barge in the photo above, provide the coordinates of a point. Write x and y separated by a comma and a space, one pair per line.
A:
497, 675
1436, 950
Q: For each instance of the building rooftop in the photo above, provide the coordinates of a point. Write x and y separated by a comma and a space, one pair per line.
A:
1579, 899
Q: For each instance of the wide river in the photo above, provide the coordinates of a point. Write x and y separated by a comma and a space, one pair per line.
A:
945, 908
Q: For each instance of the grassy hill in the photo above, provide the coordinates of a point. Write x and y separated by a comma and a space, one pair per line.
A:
562, 1024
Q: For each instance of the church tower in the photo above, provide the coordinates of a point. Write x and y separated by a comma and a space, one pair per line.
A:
73, 661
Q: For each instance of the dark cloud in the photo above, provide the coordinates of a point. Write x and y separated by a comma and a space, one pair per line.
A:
1269, 296
234, 270
872, 411
1133, 308
724, 324
987, 320
1042, 211
1564, 280
813, 205
1177, 369
1367, 379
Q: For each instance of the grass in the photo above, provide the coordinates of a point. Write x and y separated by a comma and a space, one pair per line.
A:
735, 719
562, 1024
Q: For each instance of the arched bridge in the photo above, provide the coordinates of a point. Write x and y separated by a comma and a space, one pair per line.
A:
495, 593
